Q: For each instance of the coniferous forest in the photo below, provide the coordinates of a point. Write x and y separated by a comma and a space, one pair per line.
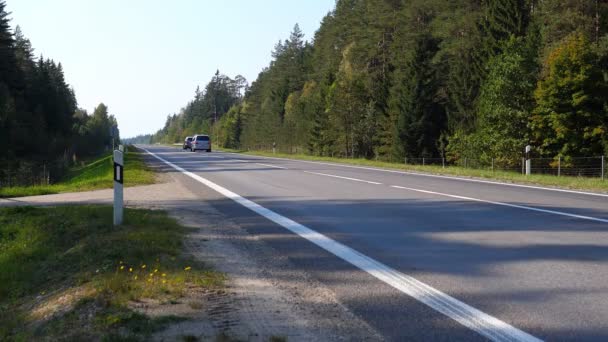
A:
394, 79
42, 130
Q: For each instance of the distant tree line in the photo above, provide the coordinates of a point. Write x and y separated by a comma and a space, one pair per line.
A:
139, 139
40, 123
203, 114
391, 79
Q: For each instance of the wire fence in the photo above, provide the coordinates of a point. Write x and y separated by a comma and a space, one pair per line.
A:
576, 167
591, 167
30, 173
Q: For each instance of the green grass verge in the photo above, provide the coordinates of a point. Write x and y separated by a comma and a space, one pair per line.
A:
68, 274
566, 182
93, 175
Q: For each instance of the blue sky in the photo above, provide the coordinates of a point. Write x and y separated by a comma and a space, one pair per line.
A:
144, 58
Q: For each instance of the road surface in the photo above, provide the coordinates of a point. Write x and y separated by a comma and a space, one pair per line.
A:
422, 257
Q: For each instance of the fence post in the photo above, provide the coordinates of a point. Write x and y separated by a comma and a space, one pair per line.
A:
443, 163
603, 158
405, 160
523, 166
422, 161
559, 166
465, 162
492, 165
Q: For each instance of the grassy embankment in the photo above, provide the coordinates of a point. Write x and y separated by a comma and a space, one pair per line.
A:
580, 183
68, 274
93, 175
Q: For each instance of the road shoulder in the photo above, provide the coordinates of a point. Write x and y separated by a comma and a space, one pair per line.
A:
266, 297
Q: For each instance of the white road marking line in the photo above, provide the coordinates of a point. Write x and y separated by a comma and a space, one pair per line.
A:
276, 167
486, 325
547, 211
438, 176
334, 176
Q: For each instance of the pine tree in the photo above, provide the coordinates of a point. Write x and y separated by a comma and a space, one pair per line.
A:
504, 18
420, 118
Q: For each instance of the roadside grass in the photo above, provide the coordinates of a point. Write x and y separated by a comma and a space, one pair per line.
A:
93, 175
68, 274
566, 182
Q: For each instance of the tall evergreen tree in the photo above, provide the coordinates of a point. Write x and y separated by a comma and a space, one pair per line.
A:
420, 118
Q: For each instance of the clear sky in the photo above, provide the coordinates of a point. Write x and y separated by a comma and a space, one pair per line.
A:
144, 58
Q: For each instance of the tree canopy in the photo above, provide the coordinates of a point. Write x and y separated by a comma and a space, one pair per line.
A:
39, 118
427, 78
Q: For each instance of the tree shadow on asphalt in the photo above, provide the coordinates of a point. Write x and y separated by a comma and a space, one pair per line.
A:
433, 240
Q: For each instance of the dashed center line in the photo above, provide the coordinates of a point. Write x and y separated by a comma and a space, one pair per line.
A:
276, 167
341, 177
547, 211
470, 317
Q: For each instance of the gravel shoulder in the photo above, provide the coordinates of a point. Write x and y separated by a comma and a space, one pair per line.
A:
266, 297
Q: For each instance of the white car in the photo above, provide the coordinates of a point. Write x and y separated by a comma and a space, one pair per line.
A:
201, 142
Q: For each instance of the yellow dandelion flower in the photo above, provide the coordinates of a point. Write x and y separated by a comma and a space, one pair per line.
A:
164, 281
143, 266
149, 280
130, 269
164, 275
135, 277
156, 270
187, 268
151, 275
122, 267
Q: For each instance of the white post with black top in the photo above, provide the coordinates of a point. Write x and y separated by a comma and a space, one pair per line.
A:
118, 182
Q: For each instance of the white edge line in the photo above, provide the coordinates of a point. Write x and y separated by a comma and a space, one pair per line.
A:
468, 316
342, 177
276, 167
432, 175
547, 211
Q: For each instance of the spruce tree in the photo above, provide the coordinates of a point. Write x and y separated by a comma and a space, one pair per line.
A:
420, 118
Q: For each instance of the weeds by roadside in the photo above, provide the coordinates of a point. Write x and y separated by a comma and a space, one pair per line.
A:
67, 273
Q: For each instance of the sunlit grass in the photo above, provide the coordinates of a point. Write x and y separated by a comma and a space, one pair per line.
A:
94, 175
50, 254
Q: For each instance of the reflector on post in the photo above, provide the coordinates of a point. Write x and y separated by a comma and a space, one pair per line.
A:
118, 184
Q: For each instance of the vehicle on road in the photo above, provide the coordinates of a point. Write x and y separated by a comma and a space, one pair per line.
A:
187, 143
201, 142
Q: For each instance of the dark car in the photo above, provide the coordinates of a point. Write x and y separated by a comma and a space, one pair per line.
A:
188, 144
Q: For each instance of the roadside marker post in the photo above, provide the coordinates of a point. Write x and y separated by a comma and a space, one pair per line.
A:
528, 161
118, 184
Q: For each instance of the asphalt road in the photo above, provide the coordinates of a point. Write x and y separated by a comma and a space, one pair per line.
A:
480, 260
